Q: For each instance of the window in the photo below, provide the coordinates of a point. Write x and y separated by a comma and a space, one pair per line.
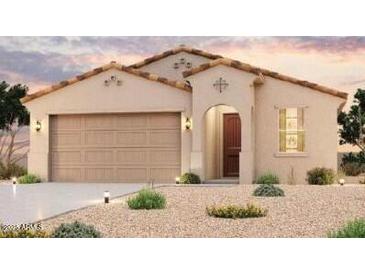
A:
291, 130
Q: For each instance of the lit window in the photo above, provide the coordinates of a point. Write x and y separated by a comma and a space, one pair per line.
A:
291, 130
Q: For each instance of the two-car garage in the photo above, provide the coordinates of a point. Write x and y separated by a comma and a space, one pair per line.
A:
132, 147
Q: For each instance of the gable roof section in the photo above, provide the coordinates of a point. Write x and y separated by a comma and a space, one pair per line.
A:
259, 71
174, 51
146, 75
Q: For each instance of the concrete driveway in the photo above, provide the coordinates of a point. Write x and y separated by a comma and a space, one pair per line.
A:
31, 203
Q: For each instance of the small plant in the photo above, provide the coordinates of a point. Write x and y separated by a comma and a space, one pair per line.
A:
268, 190
190, 178
29, 179
321, 176
24, 233
352, 168
147, 199
234, 211
75, 230
268, 178
353, 229
13, 170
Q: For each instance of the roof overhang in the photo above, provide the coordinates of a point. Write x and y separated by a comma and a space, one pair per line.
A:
261, 73
113, 65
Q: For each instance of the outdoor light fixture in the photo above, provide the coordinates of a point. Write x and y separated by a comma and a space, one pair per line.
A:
106, 196
113, 79
14, 180
177, 180
341, 181
38, 126
188, 123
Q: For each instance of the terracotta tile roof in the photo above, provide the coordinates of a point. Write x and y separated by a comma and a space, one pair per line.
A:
177, 50
259, 71
146, 75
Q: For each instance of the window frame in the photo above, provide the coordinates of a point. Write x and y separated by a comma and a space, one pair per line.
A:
279, 153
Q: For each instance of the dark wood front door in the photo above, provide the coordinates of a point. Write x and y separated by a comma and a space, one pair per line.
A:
231, 144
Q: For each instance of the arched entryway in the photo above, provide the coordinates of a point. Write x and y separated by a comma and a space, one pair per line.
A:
222, 143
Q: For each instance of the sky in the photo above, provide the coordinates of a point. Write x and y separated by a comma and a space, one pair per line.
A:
336, 62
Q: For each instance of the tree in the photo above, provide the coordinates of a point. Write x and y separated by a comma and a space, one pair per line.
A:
13, 117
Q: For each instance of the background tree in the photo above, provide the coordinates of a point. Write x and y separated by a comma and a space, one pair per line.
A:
352, 123
13, 117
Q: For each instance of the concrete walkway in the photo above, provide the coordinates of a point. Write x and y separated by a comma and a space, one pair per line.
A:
31, 203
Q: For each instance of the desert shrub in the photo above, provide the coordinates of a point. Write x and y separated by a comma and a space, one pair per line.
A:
190, 178
352, 168
147, 199
75, 230
12, 170
23, 233
29, 179
268, 190
321, 176
268, 178
353, 229
353, 158
234, 211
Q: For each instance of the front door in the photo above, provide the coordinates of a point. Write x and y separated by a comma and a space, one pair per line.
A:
231, 144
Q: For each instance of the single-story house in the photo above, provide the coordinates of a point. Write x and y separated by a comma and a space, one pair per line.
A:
184, 110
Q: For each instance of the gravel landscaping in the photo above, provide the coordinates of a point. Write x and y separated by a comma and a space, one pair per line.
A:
305, 211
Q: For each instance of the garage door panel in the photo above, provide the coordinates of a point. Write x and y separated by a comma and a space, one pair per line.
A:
102, 138
99, 157
115, 147
66, 139
167, 157
66, 157
131, 122
133, 175
164, 121
97, 122
99, 174
165, 138
133, 138
69, 122
67, 174
131, 157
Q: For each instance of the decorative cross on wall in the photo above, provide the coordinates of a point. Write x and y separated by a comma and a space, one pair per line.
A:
220, 84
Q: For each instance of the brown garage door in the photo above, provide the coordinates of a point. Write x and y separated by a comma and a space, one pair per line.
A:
115, 147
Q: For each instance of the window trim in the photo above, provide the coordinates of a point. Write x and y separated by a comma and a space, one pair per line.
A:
279, 153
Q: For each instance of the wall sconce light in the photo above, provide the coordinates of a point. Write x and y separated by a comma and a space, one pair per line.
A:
176, 65
182, 61
106, 197
188, 123
38, 126
188, 65
177, 180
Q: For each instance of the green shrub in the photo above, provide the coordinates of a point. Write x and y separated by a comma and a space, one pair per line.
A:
321, 176
12, 170
147, 199
23, 234
352, 168
75, 230
268, 178
29, 179
353, 229
268, 190
190, 178
353, 158
234, 211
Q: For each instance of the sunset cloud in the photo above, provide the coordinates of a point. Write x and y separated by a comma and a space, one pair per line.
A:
338, 62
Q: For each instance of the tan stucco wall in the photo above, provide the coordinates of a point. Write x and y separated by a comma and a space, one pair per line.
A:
165, 66
239, 95
91, 96
320, 123
257, 107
